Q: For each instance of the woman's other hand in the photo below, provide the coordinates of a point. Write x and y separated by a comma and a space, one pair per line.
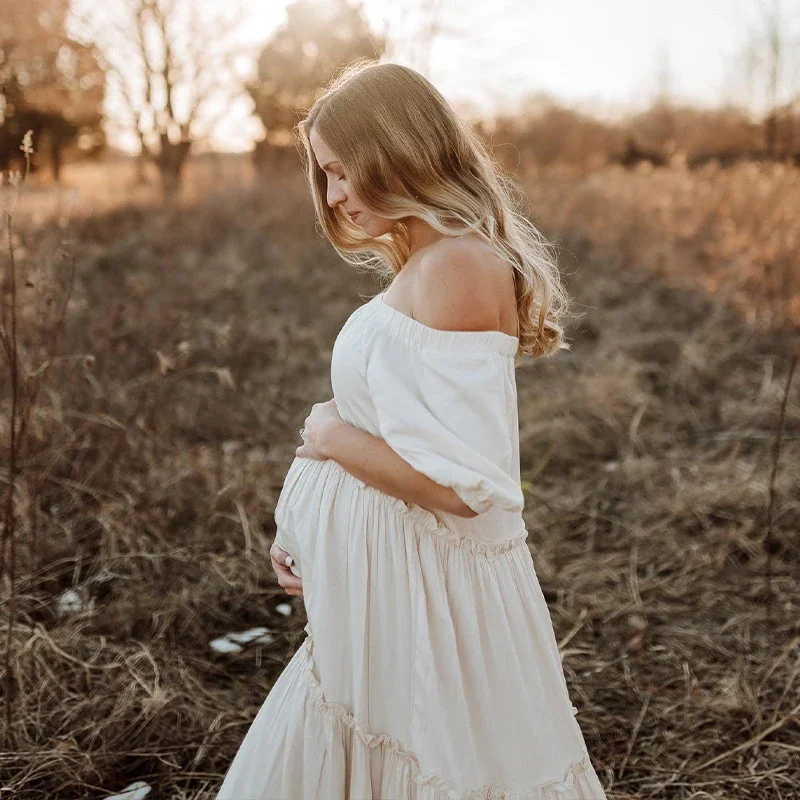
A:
317, 429
287, 580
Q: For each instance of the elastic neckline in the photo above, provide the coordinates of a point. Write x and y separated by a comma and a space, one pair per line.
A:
413, 329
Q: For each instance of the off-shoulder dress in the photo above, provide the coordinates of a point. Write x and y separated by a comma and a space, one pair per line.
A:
430, 669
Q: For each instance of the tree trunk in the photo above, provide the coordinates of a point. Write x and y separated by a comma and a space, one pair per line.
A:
171, 161
771, 131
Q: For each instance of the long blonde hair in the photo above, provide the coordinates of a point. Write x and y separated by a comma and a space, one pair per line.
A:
407, 153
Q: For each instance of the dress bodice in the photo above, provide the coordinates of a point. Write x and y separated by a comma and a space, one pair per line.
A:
445, 400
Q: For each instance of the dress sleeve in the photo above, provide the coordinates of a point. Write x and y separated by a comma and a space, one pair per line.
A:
445, 413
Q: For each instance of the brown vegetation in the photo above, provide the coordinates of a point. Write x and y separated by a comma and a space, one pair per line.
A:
647, 456
50, 84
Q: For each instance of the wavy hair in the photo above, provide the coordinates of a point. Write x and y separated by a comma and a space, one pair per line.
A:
408, 154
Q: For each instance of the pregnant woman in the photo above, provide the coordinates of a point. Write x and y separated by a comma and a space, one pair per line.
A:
430, 669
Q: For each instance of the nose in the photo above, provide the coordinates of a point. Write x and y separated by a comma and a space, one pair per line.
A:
335, 196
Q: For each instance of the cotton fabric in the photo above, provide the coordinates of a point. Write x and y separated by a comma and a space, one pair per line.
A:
430, 669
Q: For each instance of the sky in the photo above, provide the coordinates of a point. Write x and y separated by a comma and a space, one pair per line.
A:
606, 56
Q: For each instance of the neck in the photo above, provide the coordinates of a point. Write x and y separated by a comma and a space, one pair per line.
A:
421, 234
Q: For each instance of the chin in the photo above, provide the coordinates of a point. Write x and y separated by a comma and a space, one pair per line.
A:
374, 227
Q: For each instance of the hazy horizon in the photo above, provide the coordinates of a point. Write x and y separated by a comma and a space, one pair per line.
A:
607, 59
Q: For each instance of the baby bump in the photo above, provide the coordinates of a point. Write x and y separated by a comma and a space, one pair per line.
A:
309, 488
325, 516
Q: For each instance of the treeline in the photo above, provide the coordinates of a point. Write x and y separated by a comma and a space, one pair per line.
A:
545, 132
170, 70
50, 84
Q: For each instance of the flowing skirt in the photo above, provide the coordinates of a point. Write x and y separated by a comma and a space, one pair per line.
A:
430, 669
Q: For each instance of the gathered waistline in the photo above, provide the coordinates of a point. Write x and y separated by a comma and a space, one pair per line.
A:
424, 519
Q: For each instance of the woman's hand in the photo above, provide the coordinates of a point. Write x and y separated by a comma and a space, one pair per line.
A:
323, 419
287, 580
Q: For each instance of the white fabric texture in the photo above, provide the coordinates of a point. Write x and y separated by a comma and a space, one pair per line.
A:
430, 669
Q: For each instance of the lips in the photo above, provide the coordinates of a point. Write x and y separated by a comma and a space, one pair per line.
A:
354, 215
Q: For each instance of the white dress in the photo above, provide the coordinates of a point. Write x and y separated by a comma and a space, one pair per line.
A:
430, 669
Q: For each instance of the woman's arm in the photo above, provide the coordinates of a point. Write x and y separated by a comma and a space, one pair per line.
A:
371, 460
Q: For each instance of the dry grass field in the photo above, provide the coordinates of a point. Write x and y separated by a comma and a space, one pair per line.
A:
198, 336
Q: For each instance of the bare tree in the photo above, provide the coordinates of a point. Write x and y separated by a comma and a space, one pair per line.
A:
49, 84
412, 28
774, 54
662, 111
172, 65
430, 26
771, 59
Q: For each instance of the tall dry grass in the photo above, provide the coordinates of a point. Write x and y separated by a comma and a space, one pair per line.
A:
648, 456
29, 333
732, 232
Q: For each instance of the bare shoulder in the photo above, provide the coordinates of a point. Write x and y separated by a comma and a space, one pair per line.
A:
460, 284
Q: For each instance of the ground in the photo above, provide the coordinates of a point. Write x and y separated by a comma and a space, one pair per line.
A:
199, 336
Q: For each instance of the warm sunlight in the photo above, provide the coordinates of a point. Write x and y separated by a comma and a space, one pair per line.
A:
608, 58
399, 399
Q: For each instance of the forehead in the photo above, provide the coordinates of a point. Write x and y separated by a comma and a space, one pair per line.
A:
321, 150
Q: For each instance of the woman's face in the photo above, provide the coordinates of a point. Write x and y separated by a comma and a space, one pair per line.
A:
339, 192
